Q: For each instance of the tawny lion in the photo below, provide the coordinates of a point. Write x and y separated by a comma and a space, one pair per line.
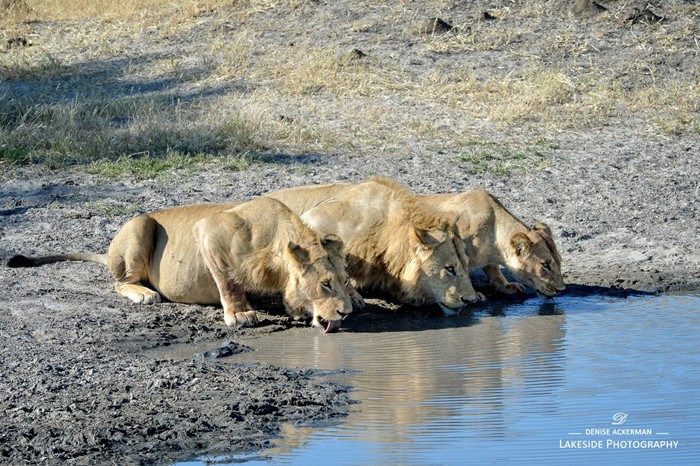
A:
494, 237
215, 253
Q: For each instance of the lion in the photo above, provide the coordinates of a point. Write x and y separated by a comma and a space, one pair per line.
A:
215, 253
392, 242
494, 237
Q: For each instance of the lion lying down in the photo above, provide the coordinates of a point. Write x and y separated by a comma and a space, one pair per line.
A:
215, 253
392, 242
494, 237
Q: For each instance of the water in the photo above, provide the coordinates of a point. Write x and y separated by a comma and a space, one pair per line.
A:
524, 385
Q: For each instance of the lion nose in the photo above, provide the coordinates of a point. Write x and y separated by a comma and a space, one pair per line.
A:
467, 299
560, 288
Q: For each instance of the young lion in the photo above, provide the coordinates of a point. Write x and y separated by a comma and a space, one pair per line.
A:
215, 253
494, 237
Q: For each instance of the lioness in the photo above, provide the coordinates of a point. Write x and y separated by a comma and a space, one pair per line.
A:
494, 237
214, 253
393, 243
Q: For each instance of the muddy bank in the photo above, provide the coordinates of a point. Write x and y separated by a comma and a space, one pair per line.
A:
141, 410
82, 384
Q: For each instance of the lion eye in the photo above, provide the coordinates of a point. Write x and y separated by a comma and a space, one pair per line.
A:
347, 282
450, 270
326, 284
547, 266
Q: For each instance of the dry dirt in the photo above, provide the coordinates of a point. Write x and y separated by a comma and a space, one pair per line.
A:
82, 381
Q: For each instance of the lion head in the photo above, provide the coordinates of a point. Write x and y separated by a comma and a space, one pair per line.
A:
537, 262
317, 285
439, 271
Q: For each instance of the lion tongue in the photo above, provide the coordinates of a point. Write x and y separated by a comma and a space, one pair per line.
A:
332, 326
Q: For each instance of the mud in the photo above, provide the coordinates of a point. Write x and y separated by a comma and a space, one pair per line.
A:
81, 385
78, 384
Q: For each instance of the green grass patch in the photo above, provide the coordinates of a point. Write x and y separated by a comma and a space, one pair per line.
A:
14, 155
113, 210
505, 158
144, 167
236, 163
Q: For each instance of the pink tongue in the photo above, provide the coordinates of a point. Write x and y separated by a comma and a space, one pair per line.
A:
332, 326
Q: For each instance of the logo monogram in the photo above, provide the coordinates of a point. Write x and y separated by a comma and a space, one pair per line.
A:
619, 419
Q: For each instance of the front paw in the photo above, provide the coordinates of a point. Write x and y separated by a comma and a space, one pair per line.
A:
242, 319
512, 288
148, 297
358, 302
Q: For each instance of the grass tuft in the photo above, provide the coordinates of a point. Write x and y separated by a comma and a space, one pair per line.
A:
111, 209
504, 158
144, 167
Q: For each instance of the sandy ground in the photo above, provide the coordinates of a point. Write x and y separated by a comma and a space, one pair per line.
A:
82, 380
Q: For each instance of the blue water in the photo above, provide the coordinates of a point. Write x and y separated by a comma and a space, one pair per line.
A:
519, 384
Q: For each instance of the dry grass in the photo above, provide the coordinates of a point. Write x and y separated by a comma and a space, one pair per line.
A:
52, 10
105, 80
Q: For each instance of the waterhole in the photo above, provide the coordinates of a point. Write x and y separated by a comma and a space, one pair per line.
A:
572, 380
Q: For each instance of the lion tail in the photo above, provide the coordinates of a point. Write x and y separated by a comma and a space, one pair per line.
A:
24, 261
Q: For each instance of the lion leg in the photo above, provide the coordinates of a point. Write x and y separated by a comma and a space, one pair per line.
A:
237, 310
213, 235
499, 281
358, 302
129, 259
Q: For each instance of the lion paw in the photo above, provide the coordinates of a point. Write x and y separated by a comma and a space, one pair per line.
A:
144, 297
139, 294
358, 302
242, 319
151, 298
512, 288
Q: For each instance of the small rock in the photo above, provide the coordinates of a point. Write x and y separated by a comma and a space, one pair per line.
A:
437, 26
355, 54
225, 350
587, 8
285, 119
77, 215
19, 42
644, 15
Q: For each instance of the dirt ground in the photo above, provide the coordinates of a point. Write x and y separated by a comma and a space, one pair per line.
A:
82, 381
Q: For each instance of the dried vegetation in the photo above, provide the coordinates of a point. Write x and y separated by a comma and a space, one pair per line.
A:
86, 81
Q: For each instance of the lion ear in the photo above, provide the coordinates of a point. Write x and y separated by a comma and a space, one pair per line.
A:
299, 253
333, 244
543, 227
430, 238
521, 244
